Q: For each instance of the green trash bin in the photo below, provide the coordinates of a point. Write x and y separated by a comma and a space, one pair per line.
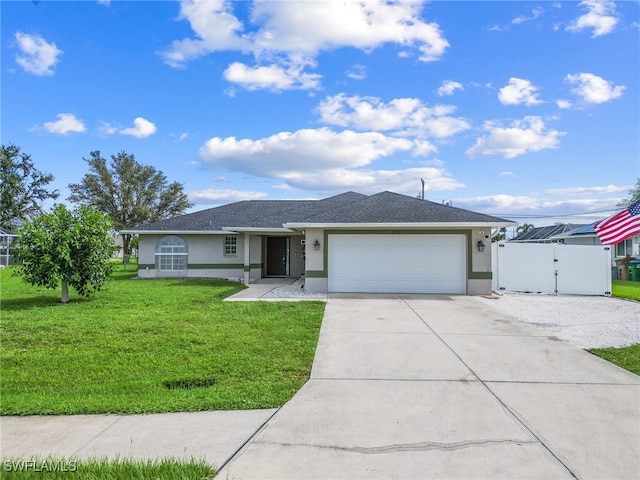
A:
634, 270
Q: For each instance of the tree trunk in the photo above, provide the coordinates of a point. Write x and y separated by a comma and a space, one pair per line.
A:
126, 244
65, 292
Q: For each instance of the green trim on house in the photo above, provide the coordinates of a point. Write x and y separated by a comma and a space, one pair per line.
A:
315, 274
480, 275
215, 266
253, 266
142, 266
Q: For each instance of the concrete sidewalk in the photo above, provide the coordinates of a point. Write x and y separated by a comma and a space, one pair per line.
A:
418, 386
211, 436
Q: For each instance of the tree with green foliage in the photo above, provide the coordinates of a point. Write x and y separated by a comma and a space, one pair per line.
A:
634, 195
68, 247
23, 188
128, 192
524, 228
500, 234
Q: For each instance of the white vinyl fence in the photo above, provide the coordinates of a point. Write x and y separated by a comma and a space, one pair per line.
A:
551, 268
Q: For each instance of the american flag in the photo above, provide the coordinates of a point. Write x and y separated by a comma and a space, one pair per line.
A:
620, 226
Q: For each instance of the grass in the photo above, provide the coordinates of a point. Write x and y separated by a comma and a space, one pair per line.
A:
150, 346
625, 357
626, 289
56, 469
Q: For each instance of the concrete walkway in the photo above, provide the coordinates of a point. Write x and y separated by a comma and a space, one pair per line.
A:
403, 386
424, 387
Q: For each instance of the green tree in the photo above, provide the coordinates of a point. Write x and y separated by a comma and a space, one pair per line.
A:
524, 228
68, 247
23, 188
500, 234
128, 192
634, 195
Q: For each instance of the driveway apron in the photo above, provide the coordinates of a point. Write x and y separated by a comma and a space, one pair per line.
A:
434, 386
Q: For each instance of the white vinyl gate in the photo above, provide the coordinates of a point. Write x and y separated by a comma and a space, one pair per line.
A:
551, 268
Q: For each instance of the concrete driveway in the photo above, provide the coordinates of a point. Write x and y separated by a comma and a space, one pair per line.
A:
420, 387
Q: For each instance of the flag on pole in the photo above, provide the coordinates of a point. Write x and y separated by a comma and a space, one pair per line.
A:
620, 226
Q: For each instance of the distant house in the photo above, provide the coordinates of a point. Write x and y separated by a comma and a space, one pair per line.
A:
6, 240
346, 243
586, 235
544, 234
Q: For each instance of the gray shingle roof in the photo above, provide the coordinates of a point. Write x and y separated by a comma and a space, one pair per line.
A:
389, 207
349, 207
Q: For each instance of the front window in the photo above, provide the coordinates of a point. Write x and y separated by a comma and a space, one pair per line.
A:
171, 254
624, 248
230, 245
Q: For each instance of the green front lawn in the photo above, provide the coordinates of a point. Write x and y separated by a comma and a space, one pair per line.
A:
625, 357
626, 289
57, 469
145, 346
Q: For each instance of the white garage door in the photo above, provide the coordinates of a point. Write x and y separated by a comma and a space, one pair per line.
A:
397, 263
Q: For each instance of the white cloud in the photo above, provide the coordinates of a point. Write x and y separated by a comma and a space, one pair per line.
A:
272, 77
37, 55
535, 13
106, 128
538, 204
65, 124
449, 87
406, 116
519, 91
373, 181
221, 196
311, 27
357, 72
326, 161
106, 3
524, 136
594, 89
507, 174
305, 150
215, 28
589, 190
179, 136
564, 104
501, 203
601, 17
141, 128
289, 35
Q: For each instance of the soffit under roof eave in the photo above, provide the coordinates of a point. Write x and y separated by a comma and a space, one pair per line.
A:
257, 230
364, 226
176, 232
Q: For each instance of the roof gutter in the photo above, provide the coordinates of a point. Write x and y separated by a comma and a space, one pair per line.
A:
176, 232
399, 226
257, 230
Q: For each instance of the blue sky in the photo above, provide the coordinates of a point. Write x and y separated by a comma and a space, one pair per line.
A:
527, 110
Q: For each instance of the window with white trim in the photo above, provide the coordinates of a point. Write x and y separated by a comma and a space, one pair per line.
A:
231, 245
625, 247
171, 254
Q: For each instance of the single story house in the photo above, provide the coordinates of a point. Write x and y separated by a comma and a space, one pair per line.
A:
350, 242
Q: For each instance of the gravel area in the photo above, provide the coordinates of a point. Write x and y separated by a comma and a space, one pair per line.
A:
586, 322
